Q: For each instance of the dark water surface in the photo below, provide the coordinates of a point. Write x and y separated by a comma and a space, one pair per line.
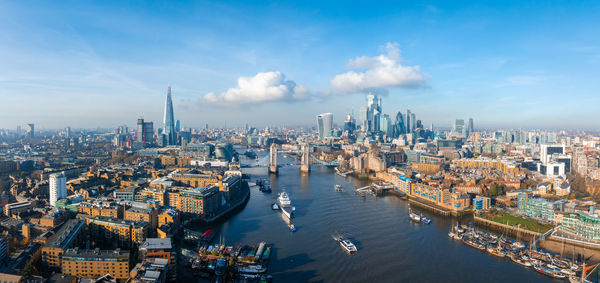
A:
390, 247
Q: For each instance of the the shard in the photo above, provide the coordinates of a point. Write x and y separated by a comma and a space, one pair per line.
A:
169, 121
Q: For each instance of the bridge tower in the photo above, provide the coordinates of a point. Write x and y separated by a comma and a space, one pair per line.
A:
305, 167
273, 159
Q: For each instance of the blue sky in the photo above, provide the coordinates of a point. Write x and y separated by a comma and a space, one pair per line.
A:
516, 64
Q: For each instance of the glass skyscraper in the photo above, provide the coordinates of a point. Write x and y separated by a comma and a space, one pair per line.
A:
169, 120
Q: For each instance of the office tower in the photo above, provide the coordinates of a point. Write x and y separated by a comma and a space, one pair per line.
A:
458, 127
470, 128
68, 132
31, 130
546, 151
413, 121
169, 121
325, 124
364, 119
399, 127
58, 187
349, 124
177, 126
419, 124
409, 128
145, 132
386, 124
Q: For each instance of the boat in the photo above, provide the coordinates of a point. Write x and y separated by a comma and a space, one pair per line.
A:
413, 216
497, 251
519, 260
292, 227
338, 188
285, 205
266, 254
275, 206
220, 267
347, 245
252, 269
425, 219
584, 275
549, 272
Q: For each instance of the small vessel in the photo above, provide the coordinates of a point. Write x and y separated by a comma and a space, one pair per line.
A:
252, 269
497, 251
285, 205
425, 219
275, 206
347, 245
413, 216
554, 273
519, 260
292, 227
338, 188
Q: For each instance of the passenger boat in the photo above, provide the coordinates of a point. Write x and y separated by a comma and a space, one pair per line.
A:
413, 216
338, 188
347, 245
285, 205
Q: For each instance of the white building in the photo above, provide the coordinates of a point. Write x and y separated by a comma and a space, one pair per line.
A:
325, 124
58, 187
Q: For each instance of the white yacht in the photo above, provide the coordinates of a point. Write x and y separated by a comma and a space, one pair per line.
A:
285, 204
347, 245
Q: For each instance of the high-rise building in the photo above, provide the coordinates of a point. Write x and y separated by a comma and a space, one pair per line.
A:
399, 126
58, 187
349, 124
413, 122
145, 132
458, 127
31, 130
386, 124
409, 128
470, 127
169, 120
68, 132
325, 124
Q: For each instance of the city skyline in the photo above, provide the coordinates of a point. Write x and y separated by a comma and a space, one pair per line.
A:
85, 65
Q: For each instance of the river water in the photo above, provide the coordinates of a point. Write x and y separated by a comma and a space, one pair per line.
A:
391, 248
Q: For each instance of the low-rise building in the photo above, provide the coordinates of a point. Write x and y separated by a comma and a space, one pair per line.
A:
96, 263
69, 236
481, 203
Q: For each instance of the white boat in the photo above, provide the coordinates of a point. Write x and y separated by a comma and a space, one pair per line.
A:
347, 245
413, 216
285, 205
338, 188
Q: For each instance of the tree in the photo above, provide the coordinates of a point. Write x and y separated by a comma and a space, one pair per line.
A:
28, 270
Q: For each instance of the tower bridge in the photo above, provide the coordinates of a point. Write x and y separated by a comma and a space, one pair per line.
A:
307, 159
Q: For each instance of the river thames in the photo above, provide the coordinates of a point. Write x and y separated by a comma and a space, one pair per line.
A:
391, 248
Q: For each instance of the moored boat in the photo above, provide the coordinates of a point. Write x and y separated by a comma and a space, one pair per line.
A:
549, 272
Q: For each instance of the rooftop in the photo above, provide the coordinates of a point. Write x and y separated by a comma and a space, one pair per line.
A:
157, 243
97, 254
66, 233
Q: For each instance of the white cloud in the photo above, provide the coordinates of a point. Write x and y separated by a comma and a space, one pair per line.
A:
263, 87
378, 73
